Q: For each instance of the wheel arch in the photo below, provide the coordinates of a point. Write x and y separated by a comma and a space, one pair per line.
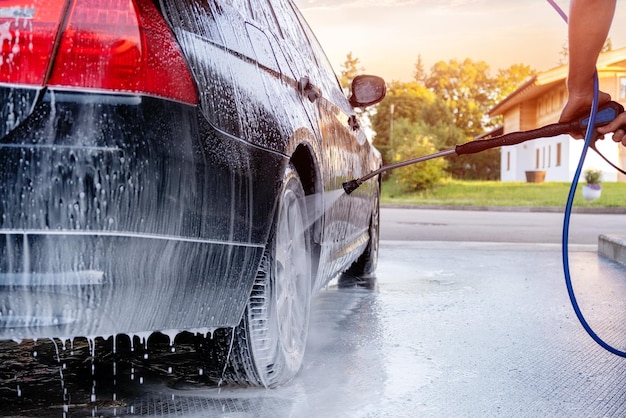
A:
308, 168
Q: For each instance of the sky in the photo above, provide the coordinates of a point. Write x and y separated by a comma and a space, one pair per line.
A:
388, 36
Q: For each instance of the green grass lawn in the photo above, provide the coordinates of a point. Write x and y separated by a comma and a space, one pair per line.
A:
495, 193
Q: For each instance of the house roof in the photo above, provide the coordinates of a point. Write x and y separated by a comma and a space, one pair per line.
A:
542, 82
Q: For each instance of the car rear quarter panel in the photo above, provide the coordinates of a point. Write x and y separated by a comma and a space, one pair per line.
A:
249, 64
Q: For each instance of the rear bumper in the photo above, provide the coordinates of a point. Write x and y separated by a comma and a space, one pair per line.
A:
85, 284
127, 214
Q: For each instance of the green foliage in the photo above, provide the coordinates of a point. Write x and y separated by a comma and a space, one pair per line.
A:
593, 176
416, 104
420, 74
413, 143
495, 193
481, 166
349, 69
506, 82
450, 104
467, 90
510, 79
607, 47
470, 91
443, 135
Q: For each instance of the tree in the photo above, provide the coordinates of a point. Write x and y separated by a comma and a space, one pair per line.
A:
481, 166
467, 90
564, 53
607, 47
349, 69
510, 79
420, 74
416, 104
449, 107
506, 82
412, 142
470, 92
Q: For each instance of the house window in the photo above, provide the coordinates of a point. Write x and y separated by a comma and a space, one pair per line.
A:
622, 88
537, 156
558, 154
549, 156
508, 161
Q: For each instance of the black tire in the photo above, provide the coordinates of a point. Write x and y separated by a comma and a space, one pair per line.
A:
267, 347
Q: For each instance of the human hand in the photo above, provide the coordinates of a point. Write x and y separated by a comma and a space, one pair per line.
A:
579, 105
617, 126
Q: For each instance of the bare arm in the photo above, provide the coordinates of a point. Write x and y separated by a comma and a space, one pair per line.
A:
589, 24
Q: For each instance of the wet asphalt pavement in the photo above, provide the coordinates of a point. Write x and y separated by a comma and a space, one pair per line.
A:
453, 328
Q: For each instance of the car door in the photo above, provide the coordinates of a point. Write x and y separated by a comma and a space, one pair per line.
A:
346, 152
247, 95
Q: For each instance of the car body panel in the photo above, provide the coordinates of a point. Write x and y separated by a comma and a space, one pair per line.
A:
125, 213
107, 197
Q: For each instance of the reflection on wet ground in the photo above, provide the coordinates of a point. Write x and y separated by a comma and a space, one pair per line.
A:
82, 378
451, 329
85, 377
124, 377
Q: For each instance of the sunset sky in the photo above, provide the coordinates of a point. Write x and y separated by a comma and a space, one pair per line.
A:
387, 36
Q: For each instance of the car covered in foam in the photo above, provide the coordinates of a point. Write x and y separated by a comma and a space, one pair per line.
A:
171, 165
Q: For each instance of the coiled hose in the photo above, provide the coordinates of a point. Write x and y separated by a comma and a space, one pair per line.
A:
568, 211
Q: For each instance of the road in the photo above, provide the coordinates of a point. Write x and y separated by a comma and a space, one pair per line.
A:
495, 226
469, 318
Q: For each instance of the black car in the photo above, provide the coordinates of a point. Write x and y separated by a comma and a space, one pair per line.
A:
171, 165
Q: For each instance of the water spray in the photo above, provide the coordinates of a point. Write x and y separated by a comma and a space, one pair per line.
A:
582, 125
606, 114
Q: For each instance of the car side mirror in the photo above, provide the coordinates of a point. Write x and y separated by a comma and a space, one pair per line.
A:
367, 90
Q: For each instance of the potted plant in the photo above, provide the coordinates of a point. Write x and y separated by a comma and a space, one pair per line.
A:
593, 188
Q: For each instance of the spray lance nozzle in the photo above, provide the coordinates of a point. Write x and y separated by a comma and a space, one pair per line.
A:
352, 185
606, 114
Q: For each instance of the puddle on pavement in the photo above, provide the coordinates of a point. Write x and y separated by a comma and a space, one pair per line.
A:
107, 377
65, 378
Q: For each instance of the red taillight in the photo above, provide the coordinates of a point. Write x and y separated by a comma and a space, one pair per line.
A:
27, 33
121, 45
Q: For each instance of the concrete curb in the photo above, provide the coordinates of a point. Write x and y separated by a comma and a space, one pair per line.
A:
613, 247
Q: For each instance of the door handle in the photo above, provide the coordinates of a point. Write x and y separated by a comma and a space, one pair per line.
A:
308, 90
353, 122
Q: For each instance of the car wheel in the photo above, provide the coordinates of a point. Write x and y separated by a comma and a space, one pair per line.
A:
267, 347
361, 272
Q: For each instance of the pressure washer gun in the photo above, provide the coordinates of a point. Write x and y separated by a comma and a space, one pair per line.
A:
606, 114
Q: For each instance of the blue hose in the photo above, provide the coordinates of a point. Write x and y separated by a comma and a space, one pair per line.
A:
566, 222
568, 211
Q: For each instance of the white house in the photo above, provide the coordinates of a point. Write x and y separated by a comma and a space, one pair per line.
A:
539, 102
